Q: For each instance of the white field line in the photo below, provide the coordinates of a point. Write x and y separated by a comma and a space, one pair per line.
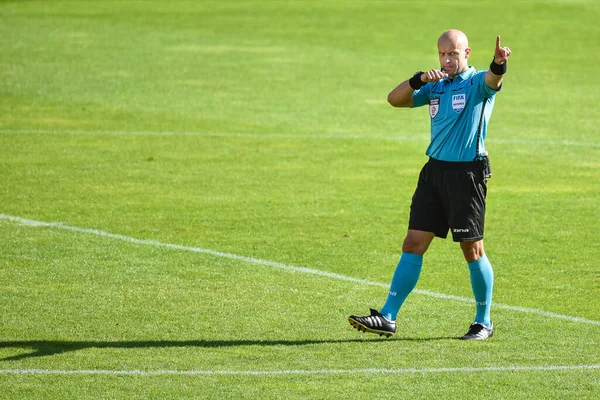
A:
273, 264
299, 371
412, 137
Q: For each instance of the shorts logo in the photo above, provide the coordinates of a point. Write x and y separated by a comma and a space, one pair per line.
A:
459, 230
434, 106
458, 102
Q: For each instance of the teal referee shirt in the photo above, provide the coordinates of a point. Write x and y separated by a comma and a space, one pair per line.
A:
456, 107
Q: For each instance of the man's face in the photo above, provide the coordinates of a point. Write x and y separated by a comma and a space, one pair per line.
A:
453, 57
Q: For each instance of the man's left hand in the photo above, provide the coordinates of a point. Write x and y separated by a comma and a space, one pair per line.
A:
502, 53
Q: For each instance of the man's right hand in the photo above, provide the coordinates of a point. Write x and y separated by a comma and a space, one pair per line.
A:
401, 96
433, 75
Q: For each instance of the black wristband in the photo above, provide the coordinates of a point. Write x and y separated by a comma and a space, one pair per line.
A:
415, 82
498, 69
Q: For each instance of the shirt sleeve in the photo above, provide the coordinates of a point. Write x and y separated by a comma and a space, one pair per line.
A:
486, 91
421, 96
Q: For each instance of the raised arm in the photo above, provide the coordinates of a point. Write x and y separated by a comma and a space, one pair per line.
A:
401, 96
494, 76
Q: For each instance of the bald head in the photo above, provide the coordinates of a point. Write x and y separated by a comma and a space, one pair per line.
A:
454, 37
454, 51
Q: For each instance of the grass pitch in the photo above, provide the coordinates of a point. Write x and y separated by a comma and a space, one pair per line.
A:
195, 196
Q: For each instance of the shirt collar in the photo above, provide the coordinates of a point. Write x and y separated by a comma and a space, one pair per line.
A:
466, 74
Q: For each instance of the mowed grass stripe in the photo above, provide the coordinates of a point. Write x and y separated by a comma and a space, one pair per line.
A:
301, 372
416, 137
282, 266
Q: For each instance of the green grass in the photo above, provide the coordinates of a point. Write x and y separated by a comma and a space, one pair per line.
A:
260, 129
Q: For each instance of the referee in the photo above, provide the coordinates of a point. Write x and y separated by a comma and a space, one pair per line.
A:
451, 191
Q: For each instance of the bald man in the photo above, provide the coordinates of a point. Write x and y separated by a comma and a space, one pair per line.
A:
451, 190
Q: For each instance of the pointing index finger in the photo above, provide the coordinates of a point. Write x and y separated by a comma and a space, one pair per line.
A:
498, 41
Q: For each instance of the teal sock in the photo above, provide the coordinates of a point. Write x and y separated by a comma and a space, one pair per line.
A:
403, 282
482, 282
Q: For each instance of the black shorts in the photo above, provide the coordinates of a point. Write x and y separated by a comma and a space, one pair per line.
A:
451, 195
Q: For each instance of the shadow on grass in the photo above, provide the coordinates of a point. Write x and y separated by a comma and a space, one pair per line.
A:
42, 348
